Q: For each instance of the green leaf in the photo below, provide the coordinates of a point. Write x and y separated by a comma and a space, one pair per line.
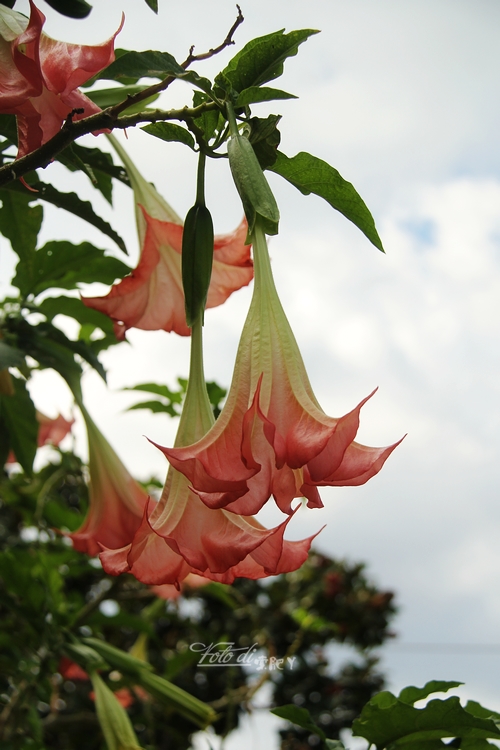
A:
10, 356
71, 8
412, 694
109, 97
476, 709
168, 403
132, 66
73, 307
8, 128
256, 94
160, 390
168, 131
265, 139
262, 59
72, 203
18, 422
215, 395
209, 120
157, 407
96, 164
64, 265
334, 744
52, 348
299, 716
312, 175
153, 4
385, 720
20, 222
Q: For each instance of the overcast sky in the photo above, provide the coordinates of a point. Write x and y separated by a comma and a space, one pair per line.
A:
402, 98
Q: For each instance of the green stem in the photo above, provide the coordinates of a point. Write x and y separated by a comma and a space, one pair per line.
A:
197, 416
233, 125
200, 179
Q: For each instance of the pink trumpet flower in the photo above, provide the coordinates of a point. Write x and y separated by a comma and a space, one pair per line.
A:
182, 536
272, 437
39, 76
117, 502
151, 297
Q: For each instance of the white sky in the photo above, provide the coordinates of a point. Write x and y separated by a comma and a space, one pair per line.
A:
403, 99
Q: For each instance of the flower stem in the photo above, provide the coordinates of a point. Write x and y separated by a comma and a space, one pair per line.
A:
197, 416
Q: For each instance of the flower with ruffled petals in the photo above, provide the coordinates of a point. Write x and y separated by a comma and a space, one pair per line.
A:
182, 536
272, 437
151, 297
117, 502
39, 76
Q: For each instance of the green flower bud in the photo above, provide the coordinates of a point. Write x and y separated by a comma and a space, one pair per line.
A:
117, 658
113, 718
256, 195
197, 257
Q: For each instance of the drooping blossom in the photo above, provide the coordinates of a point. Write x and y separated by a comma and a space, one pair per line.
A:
116, 503
51, 430
151, 297
180, 535
272, 437
39, 76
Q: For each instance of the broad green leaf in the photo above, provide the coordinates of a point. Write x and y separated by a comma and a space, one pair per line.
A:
256, 94
475, 708
312, 175
166, 405
71, 202
265, 139
156, 407
8, 128
71, 8
262, 59
73, 307
64, 265
109, 97
19, 221
153, 4
52, 348
18, 422
10, 356
412, 694
98, 166
215, 395
299, 716
90, 321
159, 390
132, 66
168, 131
209, 120
385, 720
202, 83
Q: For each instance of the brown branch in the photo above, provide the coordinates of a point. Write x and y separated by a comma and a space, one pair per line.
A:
228, 41
105, 120
109, 118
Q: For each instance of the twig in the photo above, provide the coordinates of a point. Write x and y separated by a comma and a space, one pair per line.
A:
228, 41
